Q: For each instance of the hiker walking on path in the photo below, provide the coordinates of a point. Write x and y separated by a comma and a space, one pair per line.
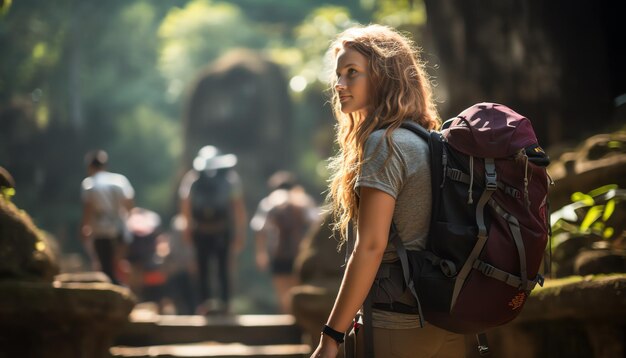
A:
107, 199
280, 223
213, 207
381, 174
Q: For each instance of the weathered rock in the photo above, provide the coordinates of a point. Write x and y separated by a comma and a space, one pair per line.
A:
319, 267
26, 253
569, 317
319, 258
600, 261
83, 277
61, 320
564, 255
46, 319
599, 160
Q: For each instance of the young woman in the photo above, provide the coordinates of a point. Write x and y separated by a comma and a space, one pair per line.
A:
381, 174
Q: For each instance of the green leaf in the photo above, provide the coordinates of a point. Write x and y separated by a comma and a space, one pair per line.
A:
614, 144
592, 215
7, 193
608, 210
583, 198
608, 232
602, 190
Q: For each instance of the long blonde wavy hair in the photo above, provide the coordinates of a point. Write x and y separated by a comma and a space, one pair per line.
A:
400, 91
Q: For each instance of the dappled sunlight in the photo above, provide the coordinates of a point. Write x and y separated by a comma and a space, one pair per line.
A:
152, 82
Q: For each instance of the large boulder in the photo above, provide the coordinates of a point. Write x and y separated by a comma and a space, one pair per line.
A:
26, 253
61, 320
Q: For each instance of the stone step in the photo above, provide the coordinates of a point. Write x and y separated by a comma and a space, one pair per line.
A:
213, 350
249, 330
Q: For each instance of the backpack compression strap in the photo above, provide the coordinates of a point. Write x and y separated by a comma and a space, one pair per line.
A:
517, 238
519, 282
522, 283
490, 187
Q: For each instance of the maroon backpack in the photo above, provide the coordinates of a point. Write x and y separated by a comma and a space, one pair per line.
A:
489, 225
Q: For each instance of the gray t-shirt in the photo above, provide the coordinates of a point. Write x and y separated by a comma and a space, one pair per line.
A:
405, 175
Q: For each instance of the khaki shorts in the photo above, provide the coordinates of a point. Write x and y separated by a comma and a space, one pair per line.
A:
427, 342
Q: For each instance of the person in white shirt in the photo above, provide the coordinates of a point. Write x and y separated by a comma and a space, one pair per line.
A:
107, 199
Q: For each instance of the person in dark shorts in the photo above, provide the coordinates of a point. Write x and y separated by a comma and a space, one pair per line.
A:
281, 220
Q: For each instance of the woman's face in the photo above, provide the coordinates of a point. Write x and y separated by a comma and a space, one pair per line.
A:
353, 85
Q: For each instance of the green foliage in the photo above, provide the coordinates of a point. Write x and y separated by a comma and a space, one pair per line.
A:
589, 214
7, 193
146, 152
193, 36
83, 74
401, 13
4, 6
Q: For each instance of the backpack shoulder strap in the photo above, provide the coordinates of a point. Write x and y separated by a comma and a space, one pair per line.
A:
438, 161
417, 129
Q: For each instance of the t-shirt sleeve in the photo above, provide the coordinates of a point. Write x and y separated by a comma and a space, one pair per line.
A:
127, 189
260, 216
383, 167
85, 189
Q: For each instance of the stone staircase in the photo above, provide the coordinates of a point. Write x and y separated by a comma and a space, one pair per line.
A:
224, 336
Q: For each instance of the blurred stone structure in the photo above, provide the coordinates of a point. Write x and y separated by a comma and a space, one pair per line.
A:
44, 318
560, 65
598, 161
574, 317
319, 266
240, 104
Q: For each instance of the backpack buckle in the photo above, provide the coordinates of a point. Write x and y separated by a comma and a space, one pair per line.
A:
483, 267
491, 178
491, 181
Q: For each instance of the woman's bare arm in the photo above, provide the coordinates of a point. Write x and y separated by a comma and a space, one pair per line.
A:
375, 214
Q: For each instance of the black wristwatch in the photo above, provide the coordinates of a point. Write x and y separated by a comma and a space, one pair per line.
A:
335, 335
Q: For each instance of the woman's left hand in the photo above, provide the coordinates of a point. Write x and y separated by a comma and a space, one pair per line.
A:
327, 348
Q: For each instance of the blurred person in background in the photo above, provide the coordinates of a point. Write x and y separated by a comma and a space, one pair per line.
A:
146, 278
107, 200
213, 206
281, 221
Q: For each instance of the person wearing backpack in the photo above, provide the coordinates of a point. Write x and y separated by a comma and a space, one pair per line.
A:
213, 206
381, 176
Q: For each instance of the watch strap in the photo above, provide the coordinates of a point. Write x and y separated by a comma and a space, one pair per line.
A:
335, 335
